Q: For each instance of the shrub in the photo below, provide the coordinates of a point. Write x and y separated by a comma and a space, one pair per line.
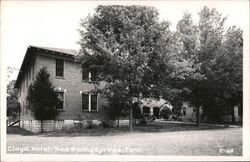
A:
107, 123
165, 113
89, 121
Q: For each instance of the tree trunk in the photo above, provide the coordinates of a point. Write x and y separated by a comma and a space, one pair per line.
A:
197, 116
232, 114
118, 121
131, 119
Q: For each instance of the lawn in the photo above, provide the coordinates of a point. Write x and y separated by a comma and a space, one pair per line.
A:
161, 140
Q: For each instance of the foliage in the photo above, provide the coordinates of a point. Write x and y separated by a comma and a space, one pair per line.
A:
212, 50
42, 97
13, 106
126, 46
165, 113
137, 114
139, 57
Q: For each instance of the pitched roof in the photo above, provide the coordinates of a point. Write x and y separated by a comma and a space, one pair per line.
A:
31, 50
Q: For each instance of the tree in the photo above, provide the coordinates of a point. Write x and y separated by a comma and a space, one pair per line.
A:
212, 50
126, 45
200, 43
13, 107
118, 106
42, 98
229, 70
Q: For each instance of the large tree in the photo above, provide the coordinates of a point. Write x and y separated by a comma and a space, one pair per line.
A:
228, 70
13, 107
42, 98
126, 45
211, 49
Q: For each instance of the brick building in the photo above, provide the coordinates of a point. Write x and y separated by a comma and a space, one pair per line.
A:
72, 84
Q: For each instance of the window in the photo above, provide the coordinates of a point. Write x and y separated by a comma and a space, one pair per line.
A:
61, 100
59, 67
85, 74
93, 75
85, 102
93, 102
184, 111
89, 102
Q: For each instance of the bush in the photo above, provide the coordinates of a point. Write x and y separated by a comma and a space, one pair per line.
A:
89, 121
142, 123
165, 113
90, 124
107, 124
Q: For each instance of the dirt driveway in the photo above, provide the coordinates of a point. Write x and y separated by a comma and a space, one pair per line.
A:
197, 142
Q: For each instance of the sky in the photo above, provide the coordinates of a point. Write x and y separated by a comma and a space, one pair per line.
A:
55, 23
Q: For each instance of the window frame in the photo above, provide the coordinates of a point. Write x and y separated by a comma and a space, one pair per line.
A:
63, 106
56, 68
91, 76
89, 107
91, 95
87, 76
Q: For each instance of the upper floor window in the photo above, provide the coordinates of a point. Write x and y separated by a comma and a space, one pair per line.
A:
61, 100
59, 67
93, 74
85, 75
89, 75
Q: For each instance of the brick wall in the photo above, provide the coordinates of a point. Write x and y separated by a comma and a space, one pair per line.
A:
72, 84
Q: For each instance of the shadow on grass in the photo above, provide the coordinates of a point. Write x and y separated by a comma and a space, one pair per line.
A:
18, 130
150, 127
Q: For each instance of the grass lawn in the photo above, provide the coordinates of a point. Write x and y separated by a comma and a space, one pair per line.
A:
159, 139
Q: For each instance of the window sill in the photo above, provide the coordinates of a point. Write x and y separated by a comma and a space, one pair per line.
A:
87, 111
85, 80
89, 81
59, 77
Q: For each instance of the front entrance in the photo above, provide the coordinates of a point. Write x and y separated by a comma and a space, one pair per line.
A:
156, 112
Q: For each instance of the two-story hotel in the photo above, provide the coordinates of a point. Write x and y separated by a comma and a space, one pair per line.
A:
72, 84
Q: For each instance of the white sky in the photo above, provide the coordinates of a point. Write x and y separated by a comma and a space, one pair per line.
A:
55, 23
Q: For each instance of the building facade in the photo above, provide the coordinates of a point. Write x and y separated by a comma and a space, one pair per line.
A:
72, 84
